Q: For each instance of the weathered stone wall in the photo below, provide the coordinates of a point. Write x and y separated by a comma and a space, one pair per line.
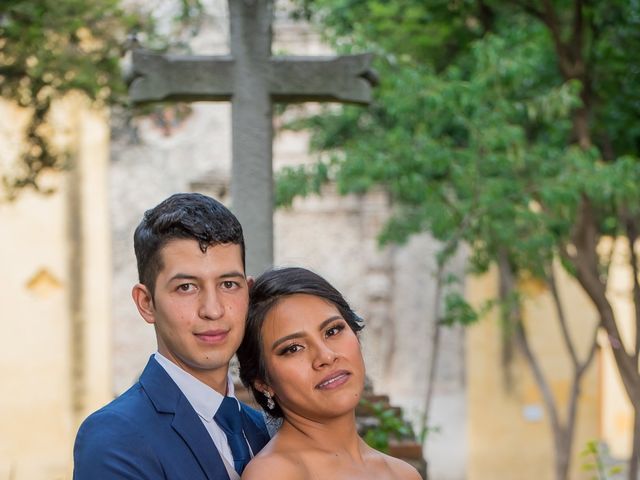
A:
152, 158
141, 176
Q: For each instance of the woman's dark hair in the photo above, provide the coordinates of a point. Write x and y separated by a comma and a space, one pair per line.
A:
265, 293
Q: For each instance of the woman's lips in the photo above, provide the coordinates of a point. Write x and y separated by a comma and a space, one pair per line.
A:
334, 380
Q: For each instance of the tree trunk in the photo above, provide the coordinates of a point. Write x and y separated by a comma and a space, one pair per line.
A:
562, 458
633, 461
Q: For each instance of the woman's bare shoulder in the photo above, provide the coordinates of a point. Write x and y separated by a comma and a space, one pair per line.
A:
263, 466
401, 469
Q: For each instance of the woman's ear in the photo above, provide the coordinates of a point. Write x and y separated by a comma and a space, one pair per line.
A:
262, 387
144, 302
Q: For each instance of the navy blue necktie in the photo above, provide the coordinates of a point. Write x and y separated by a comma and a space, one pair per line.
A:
229, 420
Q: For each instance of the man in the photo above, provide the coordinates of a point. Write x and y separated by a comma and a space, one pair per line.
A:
181, 420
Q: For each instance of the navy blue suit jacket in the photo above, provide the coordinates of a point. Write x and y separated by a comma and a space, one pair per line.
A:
152, 432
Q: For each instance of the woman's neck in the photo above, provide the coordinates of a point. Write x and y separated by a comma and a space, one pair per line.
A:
338, 434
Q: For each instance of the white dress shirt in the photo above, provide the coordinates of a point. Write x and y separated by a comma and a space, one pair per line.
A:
204, 400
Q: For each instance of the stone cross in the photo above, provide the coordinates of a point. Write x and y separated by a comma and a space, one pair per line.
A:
252, 79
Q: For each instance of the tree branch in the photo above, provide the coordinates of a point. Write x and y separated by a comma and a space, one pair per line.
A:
572, 407
606, 262
550, 19
566, 336
530, 9
507, 286
435, 348
592, 350
487, 15
585, 263
577, 34
545, 389
632, 234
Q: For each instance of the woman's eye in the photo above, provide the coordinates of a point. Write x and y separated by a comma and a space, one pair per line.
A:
336, 329
291, 349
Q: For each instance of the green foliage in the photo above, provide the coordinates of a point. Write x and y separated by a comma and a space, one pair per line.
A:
472, 128
458, 311
51, 47
404, 29
389, 426
594, 462
299, 181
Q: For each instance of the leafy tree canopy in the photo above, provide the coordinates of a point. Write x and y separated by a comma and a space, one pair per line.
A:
475, 128
512, 126
51, 47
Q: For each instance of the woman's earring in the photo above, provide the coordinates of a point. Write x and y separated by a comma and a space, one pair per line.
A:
270, 403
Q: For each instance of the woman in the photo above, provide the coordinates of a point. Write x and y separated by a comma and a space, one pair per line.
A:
301, 358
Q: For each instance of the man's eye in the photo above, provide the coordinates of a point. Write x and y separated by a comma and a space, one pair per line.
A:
229, 284
186, 287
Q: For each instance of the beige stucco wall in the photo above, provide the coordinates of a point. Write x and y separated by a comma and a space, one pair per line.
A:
509, 436
616, 422
38, 412
617, 414
34, 361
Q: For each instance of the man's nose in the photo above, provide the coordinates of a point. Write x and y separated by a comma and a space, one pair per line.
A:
210, 306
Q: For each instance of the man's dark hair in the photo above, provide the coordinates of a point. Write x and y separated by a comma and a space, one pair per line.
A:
182, 216
266, 292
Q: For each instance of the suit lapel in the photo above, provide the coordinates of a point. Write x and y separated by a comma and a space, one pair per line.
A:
167, 398
189, 426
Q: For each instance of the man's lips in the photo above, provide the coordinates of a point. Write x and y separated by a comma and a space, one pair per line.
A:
212, 336
334, 380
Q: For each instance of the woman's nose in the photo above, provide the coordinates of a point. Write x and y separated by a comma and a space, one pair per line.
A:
324, 356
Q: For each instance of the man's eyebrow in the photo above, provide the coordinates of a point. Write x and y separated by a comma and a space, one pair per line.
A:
291, 336
234, 274
187, 276
181, 276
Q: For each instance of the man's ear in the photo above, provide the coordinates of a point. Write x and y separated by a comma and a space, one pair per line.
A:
250, 281
144, 302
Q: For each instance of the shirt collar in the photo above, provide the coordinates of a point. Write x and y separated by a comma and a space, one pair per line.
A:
204, 399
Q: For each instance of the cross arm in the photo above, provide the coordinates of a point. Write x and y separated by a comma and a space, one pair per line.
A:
157, 77
344, 78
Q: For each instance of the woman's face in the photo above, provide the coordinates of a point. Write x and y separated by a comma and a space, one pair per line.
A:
313, 358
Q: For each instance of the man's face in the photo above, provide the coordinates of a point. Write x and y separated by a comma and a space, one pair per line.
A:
199, 308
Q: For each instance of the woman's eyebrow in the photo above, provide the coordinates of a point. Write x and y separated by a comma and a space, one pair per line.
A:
328, 321
287, 337
302, 334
